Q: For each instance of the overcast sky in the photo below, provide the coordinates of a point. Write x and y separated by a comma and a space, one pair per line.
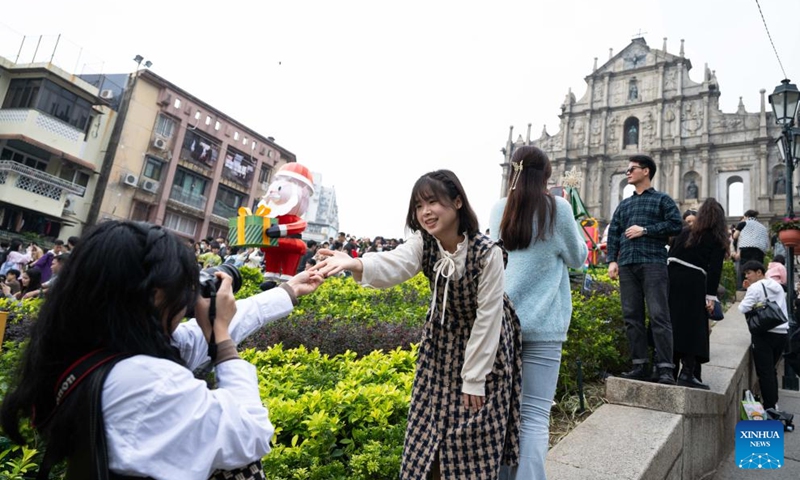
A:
373, 94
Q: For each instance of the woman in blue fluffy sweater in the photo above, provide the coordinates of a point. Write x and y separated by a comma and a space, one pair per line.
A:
542, 239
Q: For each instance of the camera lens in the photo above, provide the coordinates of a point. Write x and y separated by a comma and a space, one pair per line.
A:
210, 283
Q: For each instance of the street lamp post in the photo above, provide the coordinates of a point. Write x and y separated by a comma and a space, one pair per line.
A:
784, 102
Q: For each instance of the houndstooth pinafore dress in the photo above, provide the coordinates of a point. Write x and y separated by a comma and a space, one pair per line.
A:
471, 446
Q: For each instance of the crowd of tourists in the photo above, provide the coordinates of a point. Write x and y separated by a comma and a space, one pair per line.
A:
672, 264
30, 272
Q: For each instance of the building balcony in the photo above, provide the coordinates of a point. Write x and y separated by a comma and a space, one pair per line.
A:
34, 189
42, 130
225, 211
187, 198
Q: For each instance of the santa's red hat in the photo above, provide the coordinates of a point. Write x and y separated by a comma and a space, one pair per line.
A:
298, 172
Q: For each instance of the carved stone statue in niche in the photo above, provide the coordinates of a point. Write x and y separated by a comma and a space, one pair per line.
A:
632, 135
691, 190
779, 187
633, 92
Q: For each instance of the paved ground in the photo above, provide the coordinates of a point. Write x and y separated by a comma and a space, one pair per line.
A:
788, 401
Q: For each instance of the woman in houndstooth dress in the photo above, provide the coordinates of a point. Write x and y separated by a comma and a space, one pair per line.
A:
463, 421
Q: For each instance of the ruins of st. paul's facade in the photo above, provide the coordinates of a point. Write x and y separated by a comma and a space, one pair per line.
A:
643, 101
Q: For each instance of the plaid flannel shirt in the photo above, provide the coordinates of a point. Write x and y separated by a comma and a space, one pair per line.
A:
653, 210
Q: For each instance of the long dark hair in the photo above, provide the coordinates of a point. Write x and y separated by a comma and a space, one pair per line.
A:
34, 281
710, 221
444, 186
528, 198
104, 298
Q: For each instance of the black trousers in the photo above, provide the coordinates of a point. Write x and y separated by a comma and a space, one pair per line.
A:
767, 350
640, 283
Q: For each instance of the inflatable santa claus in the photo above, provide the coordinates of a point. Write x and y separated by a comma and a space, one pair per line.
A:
287, 198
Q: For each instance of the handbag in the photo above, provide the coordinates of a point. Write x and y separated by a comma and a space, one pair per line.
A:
765, 315
716, 313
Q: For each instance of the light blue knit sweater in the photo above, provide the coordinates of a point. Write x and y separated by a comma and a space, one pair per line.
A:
537, 280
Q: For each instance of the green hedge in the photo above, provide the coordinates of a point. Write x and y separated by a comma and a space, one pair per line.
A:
596, 334
343, 299
335, 417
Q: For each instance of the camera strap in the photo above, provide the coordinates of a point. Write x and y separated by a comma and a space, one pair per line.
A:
212, 315
92, 369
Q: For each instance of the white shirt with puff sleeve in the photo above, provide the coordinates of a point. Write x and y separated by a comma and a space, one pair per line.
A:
163, 423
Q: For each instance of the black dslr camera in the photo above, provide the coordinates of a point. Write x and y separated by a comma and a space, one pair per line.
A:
209, 284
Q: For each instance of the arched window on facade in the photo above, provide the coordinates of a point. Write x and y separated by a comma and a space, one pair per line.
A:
631, 132
628, 191
735, 189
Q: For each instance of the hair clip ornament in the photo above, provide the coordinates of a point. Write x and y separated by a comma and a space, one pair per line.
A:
517, 172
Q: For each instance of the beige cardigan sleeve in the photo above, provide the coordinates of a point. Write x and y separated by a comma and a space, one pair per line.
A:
485, 337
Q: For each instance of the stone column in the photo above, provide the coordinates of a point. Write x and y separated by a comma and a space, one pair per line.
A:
660, 173
585, 179
706, 121
704, 160
676, 177
599, 179
763, 174
561, 167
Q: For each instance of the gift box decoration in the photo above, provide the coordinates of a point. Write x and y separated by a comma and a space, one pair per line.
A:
249, 230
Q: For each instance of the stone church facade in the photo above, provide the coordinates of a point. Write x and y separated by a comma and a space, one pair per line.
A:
643, 101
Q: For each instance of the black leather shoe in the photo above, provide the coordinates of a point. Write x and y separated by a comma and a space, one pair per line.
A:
639, 372
689, 380
666, 376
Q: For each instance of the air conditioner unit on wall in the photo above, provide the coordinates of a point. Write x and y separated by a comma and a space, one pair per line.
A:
160, 143
149, 185
130, 179
107, 94
69, 205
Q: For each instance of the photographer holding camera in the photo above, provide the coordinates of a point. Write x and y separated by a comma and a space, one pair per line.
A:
107, 376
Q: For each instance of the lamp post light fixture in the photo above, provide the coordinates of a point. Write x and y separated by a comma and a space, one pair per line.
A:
784, 101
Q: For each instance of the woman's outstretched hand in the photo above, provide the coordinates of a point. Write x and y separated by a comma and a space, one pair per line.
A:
305, 282
336, 262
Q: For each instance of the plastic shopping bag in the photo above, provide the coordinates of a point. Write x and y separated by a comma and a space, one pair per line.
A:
751, 408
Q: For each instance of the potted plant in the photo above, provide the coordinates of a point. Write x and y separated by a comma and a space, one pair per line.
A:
788, 230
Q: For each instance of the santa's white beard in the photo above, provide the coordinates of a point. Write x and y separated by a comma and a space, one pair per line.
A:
278, 209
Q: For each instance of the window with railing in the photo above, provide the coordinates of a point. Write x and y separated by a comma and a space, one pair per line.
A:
23, 158
228, 202
74, 175
199, 149
180, 223
45, 96
239, 167
189, 189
